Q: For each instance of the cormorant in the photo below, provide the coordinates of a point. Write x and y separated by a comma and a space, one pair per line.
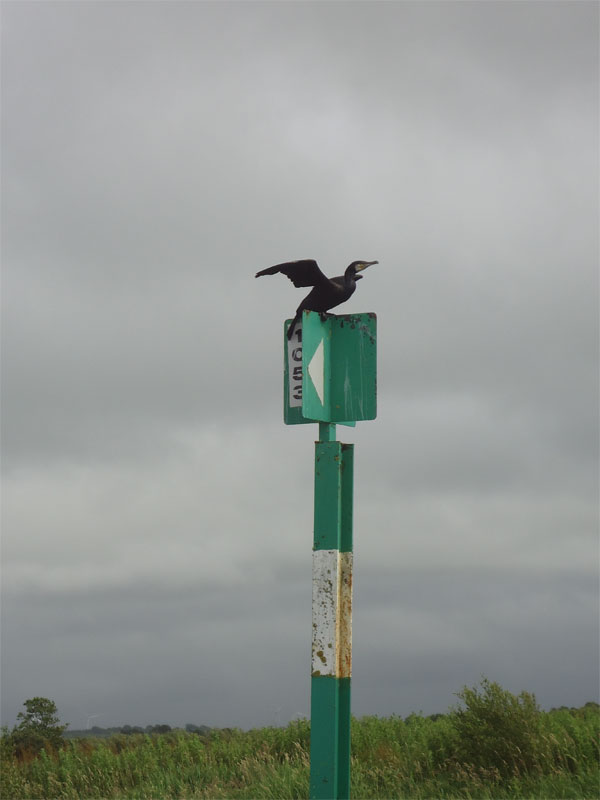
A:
327, 292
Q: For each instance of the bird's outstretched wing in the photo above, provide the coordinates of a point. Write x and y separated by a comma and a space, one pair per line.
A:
301, 273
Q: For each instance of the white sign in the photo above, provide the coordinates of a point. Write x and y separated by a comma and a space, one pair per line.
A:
316, 370
294, 356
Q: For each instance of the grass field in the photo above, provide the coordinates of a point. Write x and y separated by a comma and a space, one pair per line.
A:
496, 746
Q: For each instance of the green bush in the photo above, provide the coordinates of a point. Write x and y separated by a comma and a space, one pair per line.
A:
497, 730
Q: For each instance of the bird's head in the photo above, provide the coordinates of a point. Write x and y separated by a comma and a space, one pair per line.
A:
358, 266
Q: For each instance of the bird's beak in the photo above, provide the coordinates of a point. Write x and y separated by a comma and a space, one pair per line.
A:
365, 264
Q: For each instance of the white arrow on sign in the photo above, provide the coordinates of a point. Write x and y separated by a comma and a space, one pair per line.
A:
316, 370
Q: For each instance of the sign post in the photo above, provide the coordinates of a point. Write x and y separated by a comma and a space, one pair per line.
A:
331, 667
329, 378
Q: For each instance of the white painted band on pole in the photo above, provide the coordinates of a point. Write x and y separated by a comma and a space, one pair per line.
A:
332, 613
344, 653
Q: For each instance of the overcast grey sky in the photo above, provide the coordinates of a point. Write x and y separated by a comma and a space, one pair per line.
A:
157, 514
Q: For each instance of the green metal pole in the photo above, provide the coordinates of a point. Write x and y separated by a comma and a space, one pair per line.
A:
332, 618
346, 563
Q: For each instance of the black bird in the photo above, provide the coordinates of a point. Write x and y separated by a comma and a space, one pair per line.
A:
327, 292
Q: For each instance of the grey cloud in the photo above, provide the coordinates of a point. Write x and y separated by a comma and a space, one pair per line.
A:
156, 513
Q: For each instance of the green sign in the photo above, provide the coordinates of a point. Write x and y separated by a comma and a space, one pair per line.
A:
331, 369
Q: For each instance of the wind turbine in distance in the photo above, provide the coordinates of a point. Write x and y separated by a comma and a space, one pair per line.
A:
91, 716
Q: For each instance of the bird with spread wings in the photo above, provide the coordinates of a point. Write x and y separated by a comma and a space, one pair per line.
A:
326, 292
